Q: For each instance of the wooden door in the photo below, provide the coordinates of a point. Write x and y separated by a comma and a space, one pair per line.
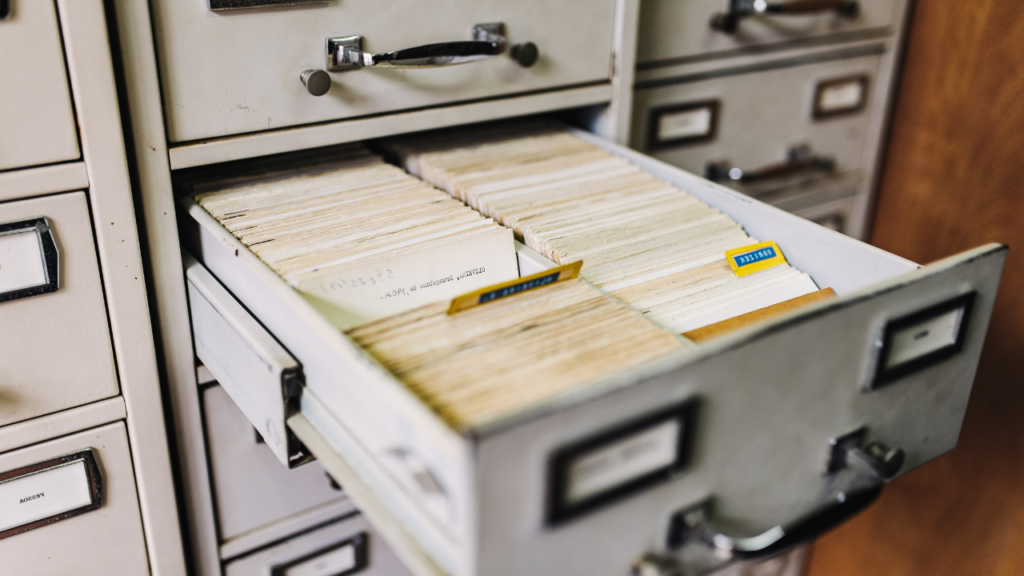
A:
954, 179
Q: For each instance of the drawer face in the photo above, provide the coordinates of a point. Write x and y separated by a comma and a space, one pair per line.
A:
245, 471
835, 215
239, 71
55, 350
107, 540
671, 29
37, 125
750, 134
348, 546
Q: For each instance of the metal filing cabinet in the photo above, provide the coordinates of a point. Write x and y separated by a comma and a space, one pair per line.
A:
85, 476
787, 105
201, 98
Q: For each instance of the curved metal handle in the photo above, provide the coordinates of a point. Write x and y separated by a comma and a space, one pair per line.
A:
854, 488
799, 159
729, 22
346, 53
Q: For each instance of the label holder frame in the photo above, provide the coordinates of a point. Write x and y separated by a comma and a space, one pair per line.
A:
882, 376
558, 511
93, 475
655, 114
47, 248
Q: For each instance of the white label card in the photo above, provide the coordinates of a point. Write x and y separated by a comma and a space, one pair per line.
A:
841, 96
21, 261
37, 496
337, 561
622, 461
692, 123
924, 338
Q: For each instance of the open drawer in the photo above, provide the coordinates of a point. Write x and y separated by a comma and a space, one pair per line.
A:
773, 433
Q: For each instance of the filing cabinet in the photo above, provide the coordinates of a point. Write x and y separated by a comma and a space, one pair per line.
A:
55, 349
346, 546
69, 506
251, 488
696, 29
203, 94
38, 123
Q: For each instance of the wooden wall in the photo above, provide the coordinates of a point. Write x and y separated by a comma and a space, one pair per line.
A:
954, 179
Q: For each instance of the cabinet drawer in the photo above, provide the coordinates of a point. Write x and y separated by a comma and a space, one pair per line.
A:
671, 30
37, 125
238, 71
752, 122
245, 471
494, 504
101, 529
344, 547
55, 350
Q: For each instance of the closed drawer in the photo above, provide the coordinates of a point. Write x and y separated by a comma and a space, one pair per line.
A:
832, 214
245, 471
37, 125
347, 546
759, 122
671, 30
239, 71
55, 350
496, 502
102, 532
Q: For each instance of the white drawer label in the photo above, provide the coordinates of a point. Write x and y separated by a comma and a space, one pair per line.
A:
21, 261
840, 96
41, 495
337, 561
685, 124
923, 338
624, 460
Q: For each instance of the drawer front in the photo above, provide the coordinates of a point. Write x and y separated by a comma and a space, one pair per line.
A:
239, 71
760, 120
345, 547
107, 539
37, 125
55, 350
673, 29
245, 471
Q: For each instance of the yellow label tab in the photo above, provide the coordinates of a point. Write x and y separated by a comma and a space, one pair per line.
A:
512, 287
750, 259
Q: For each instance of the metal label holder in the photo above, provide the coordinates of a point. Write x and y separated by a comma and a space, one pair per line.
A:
48, 249
95, 488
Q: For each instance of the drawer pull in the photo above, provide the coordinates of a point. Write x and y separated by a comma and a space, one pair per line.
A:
346, 53
317, 82
694, 538
729, 21
799, 159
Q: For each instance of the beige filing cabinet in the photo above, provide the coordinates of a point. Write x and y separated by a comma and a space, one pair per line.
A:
778, 443
85, 476
789, 106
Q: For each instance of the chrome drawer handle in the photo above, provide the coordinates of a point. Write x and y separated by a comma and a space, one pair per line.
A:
799, 159
729, 21
346, 53
856, 485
